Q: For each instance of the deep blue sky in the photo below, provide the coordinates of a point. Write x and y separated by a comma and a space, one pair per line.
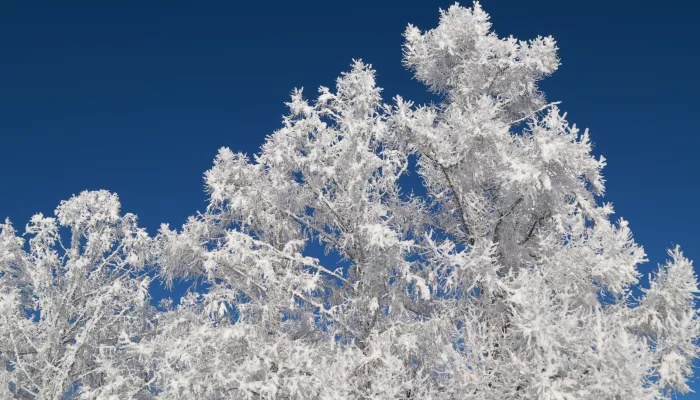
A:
137, 98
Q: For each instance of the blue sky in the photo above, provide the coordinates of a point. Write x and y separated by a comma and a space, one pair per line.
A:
137, 99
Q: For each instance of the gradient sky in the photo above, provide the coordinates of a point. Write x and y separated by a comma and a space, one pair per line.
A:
137, 98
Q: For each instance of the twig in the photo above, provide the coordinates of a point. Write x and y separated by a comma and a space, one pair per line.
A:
544, 107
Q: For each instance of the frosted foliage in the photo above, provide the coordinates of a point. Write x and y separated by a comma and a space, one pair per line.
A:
370, 250
65, 304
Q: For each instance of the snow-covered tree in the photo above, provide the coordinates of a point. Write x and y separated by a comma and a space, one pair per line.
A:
466, 255
506, 279
70, 299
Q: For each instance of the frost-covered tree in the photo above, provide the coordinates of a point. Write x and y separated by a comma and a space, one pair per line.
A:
467, 256
501, 277
69, 299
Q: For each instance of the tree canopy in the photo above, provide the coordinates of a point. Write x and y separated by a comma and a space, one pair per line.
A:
370, 250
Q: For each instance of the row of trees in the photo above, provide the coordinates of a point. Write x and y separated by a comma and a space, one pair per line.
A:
504, 278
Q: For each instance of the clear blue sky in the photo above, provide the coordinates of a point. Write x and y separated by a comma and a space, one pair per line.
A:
137, 98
